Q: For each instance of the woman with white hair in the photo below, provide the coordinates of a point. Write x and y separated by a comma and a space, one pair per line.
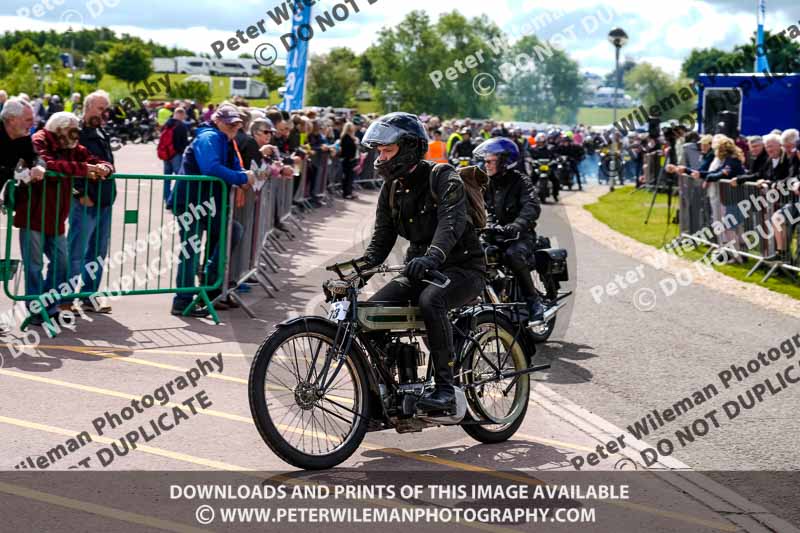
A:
43, 207
789, 140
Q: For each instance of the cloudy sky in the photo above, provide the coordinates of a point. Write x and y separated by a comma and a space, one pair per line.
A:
662, 33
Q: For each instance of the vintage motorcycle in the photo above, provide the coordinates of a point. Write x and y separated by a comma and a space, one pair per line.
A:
543, 179
318, 384
548, 269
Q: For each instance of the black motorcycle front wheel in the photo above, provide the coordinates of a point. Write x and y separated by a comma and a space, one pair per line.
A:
306, 427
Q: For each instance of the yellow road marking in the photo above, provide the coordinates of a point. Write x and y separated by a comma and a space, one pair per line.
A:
553, 442
455, 464
218, 465
95, 351
96, 509
142, 447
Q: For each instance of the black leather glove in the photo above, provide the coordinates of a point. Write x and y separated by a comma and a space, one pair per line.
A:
417, 267
511, 230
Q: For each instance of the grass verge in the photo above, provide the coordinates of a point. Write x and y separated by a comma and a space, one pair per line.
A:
625, 210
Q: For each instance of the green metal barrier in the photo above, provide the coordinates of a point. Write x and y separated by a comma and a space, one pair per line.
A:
201, 219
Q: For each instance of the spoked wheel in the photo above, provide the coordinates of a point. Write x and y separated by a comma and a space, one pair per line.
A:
505, 401
306, 427
548, 290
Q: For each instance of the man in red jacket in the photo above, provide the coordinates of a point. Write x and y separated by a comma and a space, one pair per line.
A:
43, 207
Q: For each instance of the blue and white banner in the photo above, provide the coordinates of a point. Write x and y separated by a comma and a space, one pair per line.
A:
296, 61
762, 65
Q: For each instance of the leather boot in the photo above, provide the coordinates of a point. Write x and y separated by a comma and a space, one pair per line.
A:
442, 397
535, 310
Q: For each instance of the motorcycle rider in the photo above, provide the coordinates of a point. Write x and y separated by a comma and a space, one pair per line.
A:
574, 153
464, 147
512, 202
544, 149
441, 234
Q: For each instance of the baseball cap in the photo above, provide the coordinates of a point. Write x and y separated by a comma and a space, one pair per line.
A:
227, 113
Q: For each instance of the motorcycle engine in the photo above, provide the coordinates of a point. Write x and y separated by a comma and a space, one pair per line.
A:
407, 357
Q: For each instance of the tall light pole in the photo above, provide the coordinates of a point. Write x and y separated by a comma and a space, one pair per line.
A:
617, 37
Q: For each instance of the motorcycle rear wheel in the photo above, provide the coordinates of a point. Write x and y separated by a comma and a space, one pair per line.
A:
504, 402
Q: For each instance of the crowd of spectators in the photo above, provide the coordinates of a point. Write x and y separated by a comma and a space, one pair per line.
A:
771, 161
240, 144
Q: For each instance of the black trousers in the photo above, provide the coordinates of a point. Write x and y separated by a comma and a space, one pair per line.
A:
516, 257
465, 285
348, 167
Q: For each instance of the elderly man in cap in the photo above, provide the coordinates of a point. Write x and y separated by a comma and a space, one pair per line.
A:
209, 154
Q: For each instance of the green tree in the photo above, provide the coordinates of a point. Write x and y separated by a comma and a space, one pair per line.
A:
95, 66
611, 78
130, 63
549, 88
781, 50
332, 78
21, 78
49, 54
27, 47
408, 53
190, 90
653, 86
271, 78
365, 67
700, 61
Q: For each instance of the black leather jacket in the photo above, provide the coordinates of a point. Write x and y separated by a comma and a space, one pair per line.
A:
462, 148
425, 222
101, 192
511, 199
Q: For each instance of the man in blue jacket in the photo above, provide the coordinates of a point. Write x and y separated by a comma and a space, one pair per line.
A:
209, 154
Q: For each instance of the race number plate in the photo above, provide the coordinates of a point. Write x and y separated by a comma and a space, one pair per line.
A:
338, 310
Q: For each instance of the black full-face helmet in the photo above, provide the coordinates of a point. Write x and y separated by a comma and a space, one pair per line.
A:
403, 129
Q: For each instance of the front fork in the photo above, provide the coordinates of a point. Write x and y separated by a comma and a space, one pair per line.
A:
338, 352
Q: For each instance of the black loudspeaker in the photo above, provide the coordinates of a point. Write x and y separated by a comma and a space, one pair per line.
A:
728, 124
654, 127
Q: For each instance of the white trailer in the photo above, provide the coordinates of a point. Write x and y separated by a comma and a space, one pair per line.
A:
249, 88
164, 64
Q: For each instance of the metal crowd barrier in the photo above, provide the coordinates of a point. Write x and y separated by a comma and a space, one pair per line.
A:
279, 199
720, 206
143, 252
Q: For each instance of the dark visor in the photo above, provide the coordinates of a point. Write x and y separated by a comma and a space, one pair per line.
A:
380, 133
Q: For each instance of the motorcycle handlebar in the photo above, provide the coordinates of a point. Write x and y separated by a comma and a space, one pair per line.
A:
434, 277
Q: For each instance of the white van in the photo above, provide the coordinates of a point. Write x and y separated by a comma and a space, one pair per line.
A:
192, 65
229, 67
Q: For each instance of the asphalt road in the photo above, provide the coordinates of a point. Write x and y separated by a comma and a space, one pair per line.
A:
612, 364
